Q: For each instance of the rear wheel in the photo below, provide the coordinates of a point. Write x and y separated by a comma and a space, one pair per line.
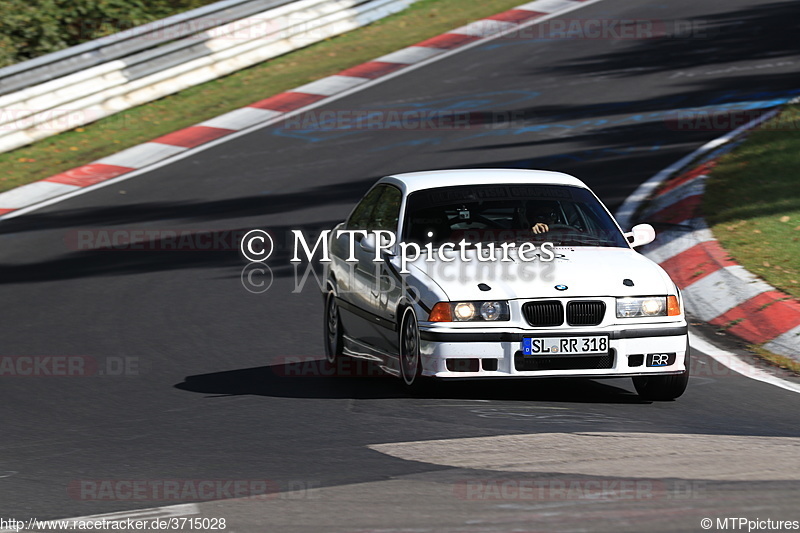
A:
334, 346
663, 388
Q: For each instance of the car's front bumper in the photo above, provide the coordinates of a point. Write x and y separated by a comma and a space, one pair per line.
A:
496, 353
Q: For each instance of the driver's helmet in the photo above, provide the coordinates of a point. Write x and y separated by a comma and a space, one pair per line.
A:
546, 211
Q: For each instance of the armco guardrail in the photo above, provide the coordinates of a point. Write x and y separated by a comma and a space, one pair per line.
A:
67, 89
127, 42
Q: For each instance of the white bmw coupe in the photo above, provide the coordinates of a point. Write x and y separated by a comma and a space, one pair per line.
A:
499, 273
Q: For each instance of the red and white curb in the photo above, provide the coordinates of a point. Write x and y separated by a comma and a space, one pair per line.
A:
281, 105
716, 289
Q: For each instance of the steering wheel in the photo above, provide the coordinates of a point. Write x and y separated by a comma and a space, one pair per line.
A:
489, 222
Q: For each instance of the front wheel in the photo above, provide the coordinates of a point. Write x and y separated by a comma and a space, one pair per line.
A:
410, 360
334, 346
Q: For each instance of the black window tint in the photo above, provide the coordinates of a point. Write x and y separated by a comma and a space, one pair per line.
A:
360, 219
387, 211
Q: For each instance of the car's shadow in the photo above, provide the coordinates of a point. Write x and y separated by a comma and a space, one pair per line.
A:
361, 380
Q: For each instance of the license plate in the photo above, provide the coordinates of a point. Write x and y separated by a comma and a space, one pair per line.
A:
565, 345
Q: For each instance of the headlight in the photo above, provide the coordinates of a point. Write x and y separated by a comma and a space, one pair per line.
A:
464, 311
648, 306
491, 311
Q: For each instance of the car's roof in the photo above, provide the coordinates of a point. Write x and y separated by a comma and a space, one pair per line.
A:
415, 181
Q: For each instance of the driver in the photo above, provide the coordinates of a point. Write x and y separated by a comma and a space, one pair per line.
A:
542, 214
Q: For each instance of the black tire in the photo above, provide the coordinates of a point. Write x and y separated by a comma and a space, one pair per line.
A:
409, 360
663, 388
334, 344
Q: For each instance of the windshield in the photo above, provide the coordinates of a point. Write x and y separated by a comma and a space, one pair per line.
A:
561, 214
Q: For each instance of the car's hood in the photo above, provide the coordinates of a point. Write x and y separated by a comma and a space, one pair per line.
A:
585, 271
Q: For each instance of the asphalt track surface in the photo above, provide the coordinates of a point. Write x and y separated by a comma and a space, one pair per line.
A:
209, 398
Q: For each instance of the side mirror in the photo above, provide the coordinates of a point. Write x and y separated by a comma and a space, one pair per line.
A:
368, 243
640, 235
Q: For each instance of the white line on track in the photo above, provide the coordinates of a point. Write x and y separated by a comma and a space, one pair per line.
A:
739, 365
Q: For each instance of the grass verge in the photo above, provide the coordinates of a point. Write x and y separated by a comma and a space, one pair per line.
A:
424, 19
778, 360
752, 202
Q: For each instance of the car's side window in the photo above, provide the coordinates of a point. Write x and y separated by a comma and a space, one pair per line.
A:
362, 214
387, 212
380, 209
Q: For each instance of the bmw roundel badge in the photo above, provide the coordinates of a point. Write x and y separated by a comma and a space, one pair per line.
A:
560, 287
